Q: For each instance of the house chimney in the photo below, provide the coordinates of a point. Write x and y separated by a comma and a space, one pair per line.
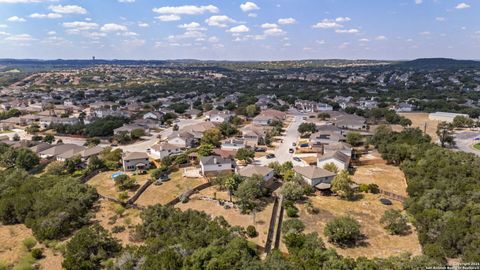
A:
214, 160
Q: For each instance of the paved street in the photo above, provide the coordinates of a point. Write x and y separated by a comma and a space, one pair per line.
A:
465, 141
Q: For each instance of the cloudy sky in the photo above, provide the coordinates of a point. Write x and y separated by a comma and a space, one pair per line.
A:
239, 30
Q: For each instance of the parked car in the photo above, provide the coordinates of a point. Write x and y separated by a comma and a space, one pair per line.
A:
297, 159
294, 144
291, 150
260, 149
270, 156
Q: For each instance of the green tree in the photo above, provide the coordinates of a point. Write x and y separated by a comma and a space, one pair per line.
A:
212, 136
205, 149
395, 222
341, 185
245, 155
354, 138
292, 191
137, 133
331, 167
343, 231
292, 226
89, 248
251, 110
231, 184
248, 193
307, 128
445, 134
55, 168
49, 138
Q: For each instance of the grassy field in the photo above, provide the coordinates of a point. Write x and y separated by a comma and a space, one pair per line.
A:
168, 190
387, 177
477, 146
420, 120
105, 185
232, 216
367, 211
107, 216
13, 253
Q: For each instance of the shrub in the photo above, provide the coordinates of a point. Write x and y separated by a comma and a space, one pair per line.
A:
292, 226
343, 231
37, 253
251, 231
312, 210
363, 188
118, 229
3, 266
395, 222
29, 243
373, 188
292, 212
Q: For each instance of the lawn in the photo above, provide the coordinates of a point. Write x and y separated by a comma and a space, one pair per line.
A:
12, 251
367, 211
387, 177
232, 216
105, 185
168, 190
477, 146
108, 217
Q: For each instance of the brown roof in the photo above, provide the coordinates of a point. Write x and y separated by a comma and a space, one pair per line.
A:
252, 170
313, 172
338, 155
135, 155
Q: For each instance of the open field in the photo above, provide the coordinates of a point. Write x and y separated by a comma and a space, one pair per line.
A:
420, 119
367, 211
477, 146
168, 190
104, 216
232, 216
387, 177
13, 252
105, 185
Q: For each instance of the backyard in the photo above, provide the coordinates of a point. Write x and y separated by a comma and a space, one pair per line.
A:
105, 185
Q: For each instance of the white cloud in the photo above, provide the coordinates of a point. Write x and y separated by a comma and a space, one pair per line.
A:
347, 31
274, 32
168, 18
252, 15
364, 40
113, 27
45, 16
4, 33
287, 21
440, 19
213, 39
343, 19
269, 25
68, 9
126, 1
80, 26
249, 6
418, 2
219, 20
3, 26
327, 24
320, 42
462, 6
187, 10
239, 29
51, 33
142, 24
193, 26
16, 19
381, 38
21, 37
425, 33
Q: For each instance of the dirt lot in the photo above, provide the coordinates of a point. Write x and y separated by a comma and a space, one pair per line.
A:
130, 218
105, 185
420, 119
232, 216
387, 177
367, 212
12, 250
168, 190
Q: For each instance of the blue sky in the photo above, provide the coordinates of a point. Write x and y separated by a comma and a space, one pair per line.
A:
239, 30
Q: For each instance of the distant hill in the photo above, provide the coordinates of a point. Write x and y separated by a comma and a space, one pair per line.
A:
436, 63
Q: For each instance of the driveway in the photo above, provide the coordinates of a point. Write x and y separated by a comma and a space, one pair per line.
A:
465, 140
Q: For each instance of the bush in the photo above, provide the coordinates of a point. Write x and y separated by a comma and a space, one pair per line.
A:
363, 188
373, 188
37, 253
29, 243
312, 210
394, 222
292, 226
292, 211
118, 229
343, 231
251, 231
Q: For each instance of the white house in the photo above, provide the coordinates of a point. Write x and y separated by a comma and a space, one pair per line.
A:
339, 158
135, 161
163, 150
265, 172
315, 176
233, 144
215, 165
181, 139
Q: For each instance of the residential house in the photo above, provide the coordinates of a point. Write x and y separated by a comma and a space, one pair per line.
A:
46, 121
349, 121
165, 149
215, 165
181, 139
254, 135
69, 150
267, 117
339, 158
216, 116
263, 171
315, 176
155, 115
128, 128
233, 144
135, 161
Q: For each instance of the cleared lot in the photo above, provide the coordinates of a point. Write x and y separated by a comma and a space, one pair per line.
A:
367, 212
421, 121
232, 215
105, 185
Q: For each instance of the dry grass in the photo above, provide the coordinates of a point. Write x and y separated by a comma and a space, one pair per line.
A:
420, 119
310, 160
168, 190
387, 177
12, 250
130, 218
232, 216
367, 212
105, 185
